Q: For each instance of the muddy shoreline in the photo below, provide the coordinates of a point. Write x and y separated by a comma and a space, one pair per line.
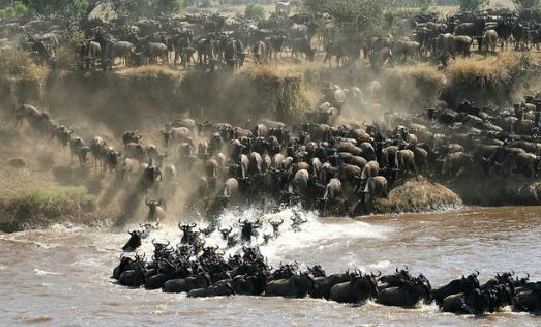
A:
411, 197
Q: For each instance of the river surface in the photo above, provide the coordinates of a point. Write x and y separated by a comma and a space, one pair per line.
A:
61, 276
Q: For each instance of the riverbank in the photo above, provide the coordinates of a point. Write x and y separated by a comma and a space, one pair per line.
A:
40, 186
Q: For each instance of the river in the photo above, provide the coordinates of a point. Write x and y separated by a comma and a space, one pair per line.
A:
60, 276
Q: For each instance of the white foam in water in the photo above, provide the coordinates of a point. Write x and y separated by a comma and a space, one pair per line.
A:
40, 272
316, 232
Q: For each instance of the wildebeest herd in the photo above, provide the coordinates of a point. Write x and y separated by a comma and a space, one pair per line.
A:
204, 271
214, 40
336, 169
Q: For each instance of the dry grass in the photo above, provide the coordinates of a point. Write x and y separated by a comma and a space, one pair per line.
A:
484, 72
484, 79
282, 69
18, 63
66, 56
150, 70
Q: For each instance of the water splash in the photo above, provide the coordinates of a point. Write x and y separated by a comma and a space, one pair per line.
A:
316, 232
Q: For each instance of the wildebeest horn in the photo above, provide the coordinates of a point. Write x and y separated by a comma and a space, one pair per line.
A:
407, 268
379, 273
216, 247
154, 242
194, 224
180, 225
512, 272
477, 271
396, 270
129, 232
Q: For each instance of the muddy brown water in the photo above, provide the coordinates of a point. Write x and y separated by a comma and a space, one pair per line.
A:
61, 276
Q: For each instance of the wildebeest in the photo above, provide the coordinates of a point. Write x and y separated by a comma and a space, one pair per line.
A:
298, 286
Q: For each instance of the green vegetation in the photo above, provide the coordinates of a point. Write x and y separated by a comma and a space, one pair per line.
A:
254, 12
17, 11
472, 4
71, 9
354, 17
25, 10
425, 4
137, 9
43, 207
527, 4
57, 196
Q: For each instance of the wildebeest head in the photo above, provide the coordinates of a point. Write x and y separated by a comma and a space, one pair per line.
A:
134, 242
161, 248
185, 228
275, 225
296, 221
226, 232
126, 263
234, 261
249, 229
131, 137
316, 271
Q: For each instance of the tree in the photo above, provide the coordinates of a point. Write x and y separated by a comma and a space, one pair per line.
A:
425, 4
71, 9
527, 4
17, 11
168, 6
137, 9
472, 4
354, 17
254, 12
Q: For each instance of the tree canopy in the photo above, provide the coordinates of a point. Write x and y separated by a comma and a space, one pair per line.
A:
254, 12
472, 4
356, 17
137, 9
527, 4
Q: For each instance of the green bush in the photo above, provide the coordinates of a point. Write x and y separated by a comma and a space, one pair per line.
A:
254, 12
472, 4
527, 4
17, 11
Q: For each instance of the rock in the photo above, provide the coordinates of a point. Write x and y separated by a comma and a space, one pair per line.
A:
415, 196
17, 162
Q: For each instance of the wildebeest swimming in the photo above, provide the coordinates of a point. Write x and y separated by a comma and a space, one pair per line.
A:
338, 169
207, 272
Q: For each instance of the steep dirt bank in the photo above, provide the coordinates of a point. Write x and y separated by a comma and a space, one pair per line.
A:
143, 98
134, 97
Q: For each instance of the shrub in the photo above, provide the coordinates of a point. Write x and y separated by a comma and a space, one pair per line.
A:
17, 11
254, 12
